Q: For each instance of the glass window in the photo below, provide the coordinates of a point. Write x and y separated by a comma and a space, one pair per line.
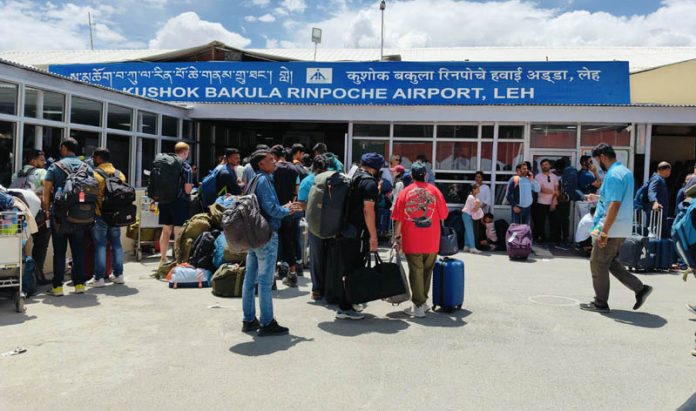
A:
88, 142
120, 118
85, 111
457, 131
553, 136
501, 193
511, 132
486, 157
616, 135
410, 150
43, 104
119, 146
361, 147
144, 159
7, 133
487, 132
189, 129
370, 130
147, 122
42, 138
170, 126
413, 130
168, 146
455, 192
456, 156
509, 155
8, 98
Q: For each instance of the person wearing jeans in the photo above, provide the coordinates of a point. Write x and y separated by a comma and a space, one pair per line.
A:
261, 261
613, 222
101, 231
519, 194
471, 212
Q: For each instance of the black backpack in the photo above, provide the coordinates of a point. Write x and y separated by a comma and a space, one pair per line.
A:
204, 250
165, 178
117, 208
74, 204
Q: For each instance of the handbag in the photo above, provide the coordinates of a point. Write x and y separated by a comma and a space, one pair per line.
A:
373, 282
395, 257
448, 242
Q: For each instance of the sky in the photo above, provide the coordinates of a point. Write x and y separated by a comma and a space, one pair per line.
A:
174, 24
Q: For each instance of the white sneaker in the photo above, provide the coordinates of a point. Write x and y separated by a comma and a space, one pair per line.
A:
425, 307
359, 307
96, 283
475, 251
465, 249
117, 279
417, 311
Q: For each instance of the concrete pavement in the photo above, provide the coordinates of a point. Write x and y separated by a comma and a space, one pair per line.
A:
520, 344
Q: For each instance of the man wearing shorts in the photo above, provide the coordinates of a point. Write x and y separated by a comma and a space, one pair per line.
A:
173, 215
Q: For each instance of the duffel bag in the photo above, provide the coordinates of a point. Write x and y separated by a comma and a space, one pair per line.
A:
187, 276
223, 254
228, 280
395, 257
374, 282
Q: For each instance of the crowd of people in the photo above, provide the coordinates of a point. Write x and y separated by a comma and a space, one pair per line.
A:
383, 199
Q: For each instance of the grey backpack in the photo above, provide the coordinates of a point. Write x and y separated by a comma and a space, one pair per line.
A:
243, 222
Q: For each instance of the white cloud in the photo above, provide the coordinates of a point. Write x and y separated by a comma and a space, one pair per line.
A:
250, 19
293, 6
260, 2
187, 30
433, 23
267, 18
30, 25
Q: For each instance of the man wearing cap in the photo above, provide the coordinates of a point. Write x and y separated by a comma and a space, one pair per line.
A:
418, 212
658, 195
360, 237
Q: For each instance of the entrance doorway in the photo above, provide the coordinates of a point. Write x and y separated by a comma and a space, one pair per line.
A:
553, 156
677, 145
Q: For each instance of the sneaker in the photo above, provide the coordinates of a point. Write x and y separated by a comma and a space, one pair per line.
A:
359, 307
283, 270
117, 279
693, 352
594, 308
474, 251
465, 249
349, 315
94, 283
80, 288
273, 328
691, 308
249, 326
290, 280
642, 295
55, 291
316, 296
416, 311
425, 308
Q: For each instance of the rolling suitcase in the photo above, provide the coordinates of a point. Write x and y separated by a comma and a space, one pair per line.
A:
661, 248
448, 284
518, 241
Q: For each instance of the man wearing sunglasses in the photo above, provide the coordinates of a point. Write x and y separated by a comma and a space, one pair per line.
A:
545, 204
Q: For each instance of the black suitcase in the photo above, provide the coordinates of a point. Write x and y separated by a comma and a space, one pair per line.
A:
501, 227
454, 220
333, 271
634, 254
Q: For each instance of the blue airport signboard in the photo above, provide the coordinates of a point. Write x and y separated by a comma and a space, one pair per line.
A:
365, 83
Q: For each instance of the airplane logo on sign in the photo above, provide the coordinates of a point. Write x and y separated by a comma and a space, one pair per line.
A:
317, 75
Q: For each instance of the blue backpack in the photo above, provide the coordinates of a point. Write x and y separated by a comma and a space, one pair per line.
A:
208, 191
641, 197
684, 234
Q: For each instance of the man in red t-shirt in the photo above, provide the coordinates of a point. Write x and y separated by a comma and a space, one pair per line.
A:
418, 211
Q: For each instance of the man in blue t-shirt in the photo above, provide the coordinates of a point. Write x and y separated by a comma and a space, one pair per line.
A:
316, 244
588, 177
55, 179
613, 222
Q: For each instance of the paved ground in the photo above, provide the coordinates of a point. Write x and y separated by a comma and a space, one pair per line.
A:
521, 343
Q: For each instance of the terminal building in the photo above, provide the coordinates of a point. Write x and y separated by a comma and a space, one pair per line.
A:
644, 105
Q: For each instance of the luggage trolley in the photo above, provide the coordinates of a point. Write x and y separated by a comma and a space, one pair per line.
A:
148, 218
11, 267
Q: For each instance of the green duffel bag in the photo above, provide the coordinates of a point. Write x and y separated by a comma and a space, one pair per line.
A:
228, 280
193, 227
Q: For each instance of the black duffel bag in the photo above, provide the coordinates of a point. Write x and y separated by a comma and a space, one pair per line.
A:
374, 282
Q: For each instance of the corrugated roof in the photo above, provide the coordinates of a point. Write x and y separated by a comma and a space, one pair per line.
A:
639, 58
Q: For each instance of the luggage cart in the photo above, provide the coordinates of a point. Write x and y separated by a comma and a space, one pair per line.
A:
148, 218
11, 267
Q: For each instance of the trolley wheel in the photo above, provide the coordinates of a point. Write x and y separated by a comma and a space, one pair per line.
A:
139, 254
19, 301
459, 307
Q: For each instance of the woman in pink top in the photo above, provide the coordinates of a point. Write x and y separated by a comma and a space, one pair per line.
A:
472, 212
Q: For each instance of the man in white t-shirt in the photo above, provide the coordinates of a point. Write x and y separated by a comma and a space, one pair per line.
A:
484, 195
545, 204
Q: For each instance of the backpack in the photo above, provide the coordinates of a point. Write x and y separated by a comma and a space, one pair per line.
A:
244, 224
641, 197
117, 208
223, 254
569, 185
326, 205
228, 280
208, 191
193, 227
74, 204
203, 250
165, 178
407, 179
22, 180
684, 234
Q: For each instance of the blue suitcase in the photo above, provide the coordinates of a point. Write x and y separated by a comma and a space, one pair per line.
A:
663, 252
448, 284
